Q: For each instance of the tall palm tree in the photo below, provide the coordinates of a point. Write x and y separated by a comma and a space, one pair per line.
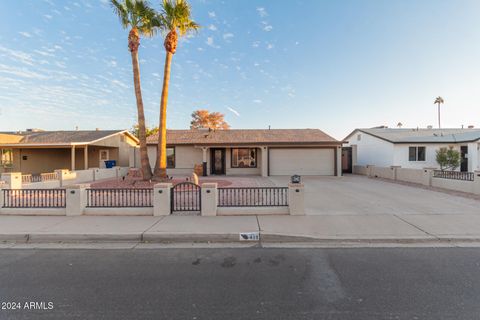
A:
438, 101
176, 20
142, 20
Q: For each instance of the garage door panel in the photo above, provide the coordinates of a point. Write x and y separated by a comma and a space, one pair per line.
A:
302, 161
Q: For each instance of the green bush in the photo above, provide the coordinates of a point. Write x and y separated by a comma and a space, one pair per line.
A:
448, 158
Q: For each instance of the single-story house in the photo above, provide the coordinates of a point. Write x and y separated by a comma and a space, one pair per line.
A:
411, 148
268, 152
37, 151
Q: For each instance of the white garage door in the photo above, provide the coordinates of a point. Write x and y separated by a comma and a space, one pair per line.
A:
307, 162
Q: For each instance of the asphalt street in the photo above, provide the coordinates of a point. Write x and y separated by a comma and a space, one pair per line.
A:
242, 283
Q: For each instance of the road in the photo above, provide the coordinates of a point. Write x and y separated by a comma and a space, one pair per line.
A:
246, 283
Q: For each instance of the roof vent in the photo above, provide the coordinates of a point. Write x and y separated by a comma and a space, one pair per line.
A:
97, 129
430, 127
471, 126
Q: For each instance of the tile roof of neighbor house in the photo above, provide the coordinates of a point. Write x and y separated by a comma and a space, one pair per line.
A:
246, 136
62, 137
424, 135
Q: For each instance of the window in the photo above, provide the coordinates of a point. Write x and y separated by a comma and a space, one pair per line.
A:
170, 157
416, 154
359, 137
244, 158
6, 159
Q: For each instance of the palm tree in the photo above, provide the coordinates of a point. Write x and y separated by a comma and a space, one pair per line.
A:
438, 101
142, 20
175, 19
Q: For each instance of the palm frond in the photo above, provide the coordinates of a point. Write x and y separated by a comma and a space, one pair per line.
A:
177, 16
121, 11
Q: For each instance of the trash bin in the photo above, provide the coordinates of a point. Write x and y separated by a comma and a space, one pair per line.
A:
110, 164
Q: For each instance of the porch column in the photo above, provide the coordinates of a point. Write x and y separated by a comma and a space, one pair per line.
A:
204, 159
72, 157
85, 158
264, 161
473, 157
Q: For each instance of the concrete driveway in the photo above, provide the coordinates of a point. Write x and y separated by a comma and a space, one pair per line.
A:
359, 195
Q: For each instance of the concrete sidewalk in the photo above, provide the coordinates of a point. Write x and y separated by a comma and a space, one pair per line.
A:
408, 228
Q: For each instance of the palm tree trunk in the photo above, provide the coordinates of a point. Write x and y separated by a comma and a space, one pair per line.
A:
439, 115
142, 136
161, 164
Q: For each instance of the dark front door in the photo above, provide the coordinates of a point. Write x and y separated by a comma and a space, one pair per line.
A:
463, 158
347, 160
218, 161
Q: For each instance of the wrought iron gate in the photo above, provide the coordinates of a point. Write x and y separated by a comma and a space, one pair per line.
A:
186, 197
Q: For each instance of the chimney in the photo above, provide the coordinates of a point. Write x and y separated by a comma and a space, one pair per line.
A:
97, 129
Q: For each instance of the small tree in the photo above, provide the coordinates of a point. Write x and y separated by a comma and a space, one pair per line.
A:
208, 120
448, 158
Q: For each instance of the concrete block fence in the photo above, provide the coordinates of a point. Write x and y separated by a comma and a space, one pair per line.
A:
63, 177
423, 176
73, 201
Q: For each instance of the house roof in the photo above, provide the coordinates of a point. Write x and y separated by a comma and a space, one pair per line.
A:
245, 136
45, 138
415, 135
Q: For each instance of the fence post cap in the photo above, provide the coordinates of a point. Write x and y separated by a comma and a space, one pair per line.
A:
210, 185
163, 185
296, 185
78, 186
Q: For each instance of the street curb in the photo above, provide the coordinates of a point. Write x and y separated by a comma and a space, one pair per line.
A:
189, 237
18, 237
221, 238
279, 238
47, 237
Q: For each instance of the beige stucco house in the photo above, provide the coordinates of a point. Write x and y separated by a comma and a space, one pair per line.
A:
250, 152
37, 151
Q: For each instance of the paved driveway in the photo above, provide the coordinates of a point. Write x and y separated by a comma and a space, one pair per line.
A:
360, 195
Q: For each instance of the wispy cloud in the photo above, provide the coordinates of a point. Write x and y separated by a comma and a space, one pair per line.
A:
235, 112
257, 101
267, 28
211, 42
15, 55
212, 14
262, 12
227, 36
212, 27
25, 34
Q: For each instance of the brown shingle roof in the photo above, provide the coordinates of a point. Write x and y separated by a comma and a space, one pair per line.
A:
246, 136
64, 137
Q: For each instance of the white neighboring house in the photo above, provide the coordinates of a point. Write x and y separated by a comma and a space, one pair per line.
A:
412, 148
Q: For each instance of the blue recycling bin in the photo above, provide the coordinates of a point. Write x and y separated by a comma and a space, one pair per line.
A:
110, 164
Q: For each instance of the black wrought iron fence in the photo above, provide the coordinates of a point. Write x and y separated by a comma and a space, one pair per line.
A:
117, 198
253, 197
34, 198
455, 175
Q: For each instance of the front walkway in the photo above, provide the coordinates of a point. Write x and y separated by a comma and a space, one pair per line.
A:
222, 181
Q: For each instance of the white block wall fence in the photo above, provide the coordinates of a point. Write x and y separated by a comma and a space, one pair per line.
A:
60, 178
468, 182
80, 199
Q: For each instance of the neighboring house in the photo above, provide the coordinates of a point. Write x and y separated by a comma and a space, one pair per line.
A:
411, 148
250, 152
36, 151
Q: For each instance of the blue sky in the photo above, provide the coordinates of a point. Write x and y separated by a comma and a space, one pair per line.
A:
333, 65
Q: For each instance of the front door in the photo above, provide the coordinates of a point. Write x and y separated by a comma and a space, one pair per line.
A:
218, 161
464, 158
347, 159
